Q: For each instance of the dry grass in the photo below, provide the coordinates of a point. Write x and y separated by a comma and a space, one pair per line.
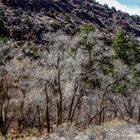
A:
113, 129
102, 130
29, 134
115, 123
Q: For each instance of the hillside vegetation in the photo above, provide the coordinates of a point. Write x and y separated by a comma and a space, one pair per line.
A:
80, 84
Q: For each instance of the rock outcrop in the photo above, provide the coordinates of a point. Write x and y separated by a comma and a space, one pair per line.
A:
65, 15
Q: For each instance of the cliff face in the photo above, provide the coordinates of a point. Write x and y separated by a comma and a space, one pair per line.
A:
75, 12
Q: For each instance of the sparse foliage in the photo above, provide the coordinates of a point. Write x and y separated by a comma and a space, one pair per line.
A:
76, 80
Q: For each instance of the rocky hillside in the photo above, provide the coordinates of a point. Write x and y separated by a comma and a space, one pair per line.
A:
32, 19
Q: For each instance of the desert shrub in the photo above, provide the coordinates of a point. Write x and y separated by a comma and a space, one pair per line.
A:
54, 25
28, 21
34, 52
120, 89
86, 28
17, 12
52, 13
3, 29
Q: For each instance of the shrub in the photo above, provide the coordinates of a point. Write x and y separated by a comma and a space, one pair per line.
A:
54, 25
28, 21
3, 40
34, 52
3, 29
86, 28
120, 89
107, 41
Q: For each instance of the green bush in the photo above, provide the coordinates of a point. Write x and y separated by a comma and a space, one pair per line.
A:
86, 28
127, 49
121, 89
34, 52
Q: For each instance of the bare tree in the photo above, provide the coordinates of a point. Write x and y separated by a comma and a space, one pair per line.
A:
7, 85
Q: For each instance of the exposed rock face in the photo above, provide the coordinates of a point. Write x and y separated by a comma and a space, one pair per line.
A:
65, 15
32, 4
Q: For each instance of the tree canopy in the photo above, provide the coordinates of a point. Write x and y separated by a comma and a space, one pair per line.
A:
127, 49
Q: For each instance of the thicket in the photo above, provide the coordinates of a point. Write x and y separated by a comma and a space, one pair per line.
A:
79, 80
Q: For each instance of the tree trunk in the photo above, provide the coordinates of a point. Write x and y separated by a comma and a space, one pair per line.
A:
71, 107
39, 118
60, 104
47, 111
